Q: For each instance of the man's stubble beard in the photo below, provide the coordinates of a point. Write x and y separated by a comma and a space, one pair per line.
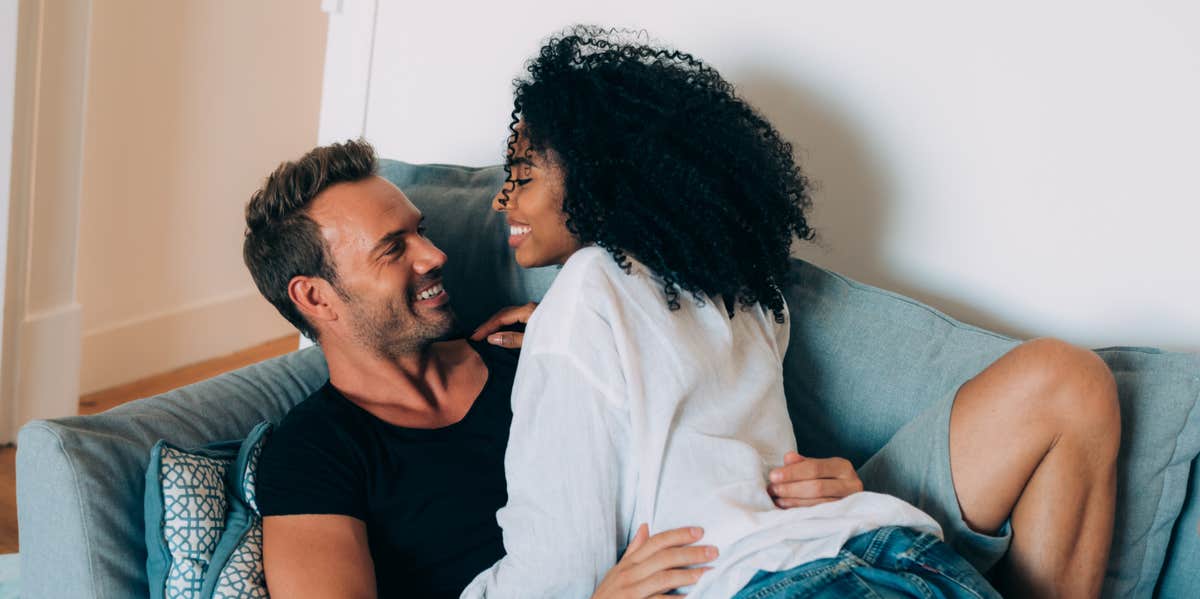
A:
394, 329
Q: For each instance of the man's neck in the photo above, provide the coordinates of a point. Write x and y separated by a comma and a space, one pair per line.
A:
411, 381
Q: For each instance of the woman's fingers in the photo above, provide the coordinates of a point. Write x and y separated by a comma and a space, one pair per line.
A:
814, 489
809, 468
503, 318
507, 339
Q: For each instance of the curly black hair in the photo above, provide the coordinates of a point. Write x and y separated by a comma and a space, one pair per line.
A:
662, 161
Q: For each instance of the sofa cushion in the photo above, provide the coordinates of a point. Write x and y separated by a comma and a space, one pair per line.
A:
236, 568
185, 515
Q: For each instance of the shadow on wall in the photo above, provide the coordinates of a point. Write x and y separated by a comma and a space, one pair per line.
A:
853, 200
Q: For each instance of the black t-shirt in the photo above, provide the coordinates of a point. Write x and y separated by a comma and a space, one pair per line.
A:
428, 496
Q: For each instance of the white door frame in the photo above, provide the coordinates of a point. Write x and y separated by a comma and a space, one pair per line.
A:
39, 369
8, 86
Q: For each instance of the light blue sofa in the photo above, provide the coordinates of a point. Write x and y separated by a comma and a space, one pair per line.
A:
862, 363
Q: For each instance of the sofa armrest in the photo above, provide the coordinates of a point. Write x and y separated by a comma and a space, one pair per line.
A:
80, 480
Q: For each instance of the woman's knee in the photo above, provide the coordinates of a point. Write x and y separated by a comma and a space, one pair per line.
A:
1077, 389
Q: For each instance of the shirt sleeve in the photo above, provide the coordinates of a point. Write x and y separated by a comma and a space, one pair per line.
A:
308, 469
563, 524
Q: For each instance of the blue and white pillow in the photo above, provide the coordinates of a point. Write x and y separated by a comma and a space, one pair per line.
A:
185, 511
236, 569
203, 529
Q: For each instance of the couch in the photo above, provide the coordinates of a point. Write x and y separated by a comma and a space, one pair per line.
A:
862, 362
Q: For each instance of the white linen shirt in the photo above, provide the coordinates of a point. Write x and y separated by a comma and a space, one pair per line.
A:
626, 412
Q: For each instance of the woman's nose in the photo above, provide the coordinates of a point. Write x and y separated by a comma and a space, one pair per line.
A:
500, 201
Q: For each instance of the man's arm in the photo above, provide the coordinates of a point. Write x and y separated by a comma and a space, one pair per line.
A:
318, 556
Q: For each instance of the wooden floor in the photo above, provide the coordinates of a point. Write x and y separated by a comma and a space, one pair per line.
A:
100, 401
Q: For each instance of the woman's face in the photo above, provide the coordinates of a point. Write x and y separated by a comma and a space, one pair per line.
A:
537, 226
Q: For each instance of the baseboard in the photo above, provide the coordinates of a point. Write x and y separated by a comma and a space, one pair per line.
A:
47, 358
157, 343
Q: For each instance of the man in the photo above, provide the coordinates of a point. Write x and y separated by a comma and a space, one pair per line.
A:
385, 482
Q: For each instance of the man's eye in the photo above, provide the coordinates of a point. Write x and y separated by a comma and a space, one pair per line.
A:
421, 230
523, 182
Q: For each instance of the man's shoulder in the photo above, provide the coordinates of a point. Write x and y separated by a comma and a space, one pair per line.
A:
314, 461
322, 419
320, 406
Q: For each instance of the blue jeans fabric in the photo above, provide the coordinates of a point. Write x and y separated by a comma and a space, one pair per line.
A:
885, 563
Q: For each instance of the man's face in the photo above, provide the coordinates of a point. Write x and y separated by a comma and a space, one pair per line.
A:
389, 274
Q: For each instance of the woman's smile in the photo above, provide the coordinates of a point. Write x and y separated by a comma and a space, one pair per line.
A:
517, 233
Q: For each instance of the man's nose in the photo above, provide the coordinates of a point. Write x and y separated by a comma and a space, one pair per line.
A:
429, 257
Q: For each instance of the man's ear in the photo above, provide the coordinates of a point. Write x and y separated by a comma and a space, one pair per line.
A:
312, 296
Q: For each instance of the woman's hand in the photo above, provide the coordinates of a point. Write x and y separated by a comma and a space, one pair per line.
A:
503, 318
803, 482
654, 565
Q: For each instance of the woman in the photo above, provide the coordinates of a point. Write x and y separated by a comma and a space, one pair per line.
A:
650, 384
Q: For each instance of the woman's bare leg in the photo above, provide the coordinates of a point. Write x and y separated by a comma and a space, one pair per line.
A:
1035, 437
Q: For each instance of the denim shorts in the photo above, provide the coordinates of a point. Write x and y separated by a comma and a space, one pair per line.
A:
886, 563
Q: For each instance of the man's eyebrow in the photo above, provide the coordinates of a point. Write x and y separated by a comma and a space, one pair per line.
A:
392, 238
521, 160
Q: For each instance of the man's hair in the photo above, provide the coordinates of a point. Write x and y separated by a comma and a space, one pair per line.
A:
282, 242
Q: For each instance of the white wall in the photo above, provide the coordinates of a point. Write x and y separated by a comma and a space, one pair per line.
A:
190, 106
1025, 166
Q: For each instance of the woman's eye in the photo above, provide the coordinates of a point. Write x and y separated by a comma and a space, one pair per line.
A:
523, 182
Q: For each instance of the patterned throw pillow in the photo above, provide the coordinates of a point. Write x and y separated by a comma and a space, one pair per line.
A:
185, 511
203, 529
236, 569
